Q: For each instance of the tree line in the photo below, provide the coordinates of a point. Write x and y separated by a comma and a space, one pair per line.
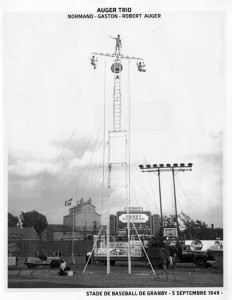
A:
190, 229
29, 219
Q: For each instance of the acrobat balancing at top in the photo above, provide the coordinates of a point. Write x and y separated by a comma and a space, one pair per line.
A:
116, 68
118, 56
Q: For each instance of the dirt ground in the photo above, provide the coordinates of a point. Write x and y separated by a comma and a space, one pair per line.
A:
184, 275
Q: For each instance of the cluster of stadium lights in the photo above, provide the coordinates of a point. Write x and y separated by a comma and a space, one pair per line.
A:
181, 166
168, 167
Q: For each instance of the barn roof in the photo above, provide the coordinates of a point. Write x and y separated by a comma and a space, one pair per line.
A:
59, 228
26, 232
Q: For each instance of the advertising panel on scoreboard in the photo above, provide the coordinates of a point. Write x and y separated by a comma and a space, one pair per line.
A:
170, 232
140, 219
135, 218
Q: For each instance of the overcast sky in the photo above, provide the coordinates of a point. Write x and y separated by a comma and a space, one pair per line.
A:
54, 111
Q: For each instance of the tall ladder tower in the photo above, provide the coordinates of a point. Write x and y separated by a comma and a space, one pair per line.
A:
117, 102
117, 132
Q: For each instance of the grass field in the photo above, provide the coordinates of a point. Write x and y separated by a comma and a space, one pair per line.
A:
184, 275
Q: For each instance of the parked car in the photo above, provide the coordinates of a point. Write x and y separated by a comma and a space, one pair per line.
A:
198, 257
33, 262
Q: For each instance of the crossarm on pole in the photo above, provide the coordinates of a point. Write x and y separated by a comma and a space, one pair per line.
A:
119, 56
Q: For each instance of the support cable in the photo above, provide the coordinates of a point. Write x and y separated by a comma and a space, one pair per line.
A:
95, 170
188, 198
144, 250
92, 249
104, 133
88, 172
134, 194
128, 171
68, 180
50, 172
149, 182
145, 192
108, 217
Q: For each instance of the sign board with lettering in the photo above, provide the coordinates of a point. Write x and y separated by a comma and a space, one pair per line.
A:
141, 220
134, 218
120, 249
134, 209
170, 232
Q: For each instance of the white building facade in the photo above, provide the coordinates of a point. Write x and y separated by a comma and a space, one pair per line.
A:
83, 217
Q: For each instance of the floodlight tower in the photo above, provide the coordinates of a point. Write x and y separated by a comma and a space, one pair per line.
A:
168, 168
117, 68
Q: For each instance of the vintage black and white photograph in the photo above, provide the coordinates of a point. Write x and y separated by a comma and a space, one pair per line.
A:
115, 126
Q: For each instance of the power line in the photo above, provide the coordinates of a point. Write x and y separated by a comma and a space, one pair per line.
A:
50, 172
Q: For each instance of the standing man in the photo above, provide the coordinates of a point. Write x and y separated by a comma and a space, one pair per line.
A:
118, 43
88, 257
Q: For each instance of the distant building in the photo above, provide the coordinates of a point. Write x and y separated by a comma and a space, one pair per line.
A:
83, 221
58, 232
84, 217
24, 233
